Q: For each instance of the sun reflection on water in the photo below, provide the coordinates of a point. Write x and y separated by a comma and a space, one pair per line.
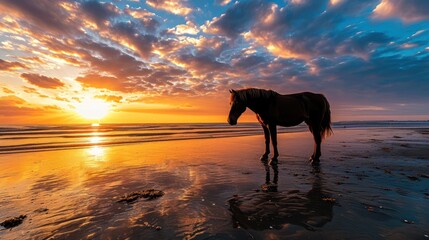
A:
96, 151
96, 156
95, 139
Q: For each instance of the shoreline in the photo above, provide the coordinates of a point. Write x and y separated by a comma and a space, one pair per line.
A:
218, 188
161, 137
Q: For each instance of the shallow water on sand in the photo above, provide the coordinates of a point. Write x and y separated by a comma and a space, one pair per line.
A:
369, 183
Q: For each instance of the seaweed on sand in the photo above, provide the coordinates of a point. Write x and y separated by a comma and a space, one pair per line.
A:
148, 194
13, 222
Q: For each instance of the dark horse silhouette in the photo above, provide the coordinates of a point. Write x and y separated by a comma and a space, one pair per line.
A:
274, 109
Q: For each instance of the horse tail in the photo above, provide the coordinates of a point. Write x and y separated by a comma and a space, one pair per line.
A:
325, 125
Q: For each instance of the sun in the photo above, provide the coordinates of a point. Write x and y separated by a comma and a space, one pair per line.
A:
92, 109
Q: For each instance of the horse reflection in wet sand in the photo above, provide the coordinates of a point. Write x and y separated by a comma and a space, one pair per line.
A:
270, 209
274, 109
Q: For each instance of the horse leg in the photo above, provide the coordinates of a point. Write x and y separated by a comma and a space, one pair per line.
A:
315, 158
273, 132
264, 157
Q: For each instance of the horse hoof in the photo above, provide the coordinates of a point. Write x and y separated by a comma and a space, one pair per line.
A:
264, 158
274, 162
314, 161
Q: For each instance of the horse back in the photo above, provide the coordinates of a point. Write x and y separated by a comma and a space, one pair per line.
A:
293, 109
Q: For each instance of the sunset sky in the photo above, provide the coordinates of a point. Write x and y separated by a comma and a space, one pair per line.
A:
174, 61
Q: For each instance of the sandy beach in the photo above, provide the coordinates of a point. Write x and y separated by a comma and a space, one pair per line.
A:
371, 184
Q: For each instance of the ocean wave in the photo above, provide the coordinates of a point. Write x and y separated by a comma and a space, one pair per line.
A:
15, 139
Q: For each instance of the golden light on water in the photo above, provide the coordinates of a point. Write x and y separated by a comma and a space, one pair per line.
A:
96, 151
95, 139
96, 156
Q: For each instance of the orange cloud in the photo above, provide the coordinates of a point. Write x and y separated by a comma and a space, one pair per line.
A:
11, 66
109, 98
407, 10
42, 81
18, 111
99, 81
15, 106
177, 6
7, 90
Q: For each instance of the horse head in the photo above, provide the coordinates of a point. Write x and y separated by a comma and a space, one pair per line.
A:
238, 106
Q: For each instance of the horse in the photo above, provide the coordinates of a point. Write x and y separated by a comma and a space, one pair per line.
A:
288, 110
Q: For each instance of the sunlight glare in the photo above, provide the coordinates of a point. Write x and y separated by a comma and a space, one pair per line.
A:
95, 139
93, 109
96, 151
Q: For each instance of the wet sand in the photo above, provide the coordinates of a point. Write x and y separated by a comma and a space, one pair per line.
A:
371, 184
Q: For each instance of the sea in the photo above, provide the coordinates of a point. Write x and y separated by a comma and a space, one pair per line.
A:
33, 138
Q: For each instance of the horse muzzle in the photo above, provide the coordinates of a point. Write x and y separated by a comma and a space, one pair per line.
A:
232, 122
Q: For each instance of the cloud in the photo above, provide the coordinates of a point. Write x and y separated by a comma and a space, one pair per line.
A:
249, 61
407, 10
34, 60
109, 98
138, 13
105, 58
128, 34
14, 108
7, 90
100, 12
30, 90
99, 81
177, 7
11, 100
235, 21
45, 14
329, 46
301, 29
203, 64
188, 28
146, 18
42, 81
11, 66
223, 2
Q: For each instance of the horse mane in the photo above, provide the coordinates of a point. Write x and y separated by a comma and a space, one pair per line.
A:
255, 93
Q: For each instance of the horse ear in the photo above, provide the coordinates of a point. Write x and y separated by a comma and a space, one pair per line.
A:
231, 90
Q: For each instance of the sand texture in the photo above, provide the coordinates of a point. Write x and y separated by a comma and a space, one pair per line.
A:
371, 184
